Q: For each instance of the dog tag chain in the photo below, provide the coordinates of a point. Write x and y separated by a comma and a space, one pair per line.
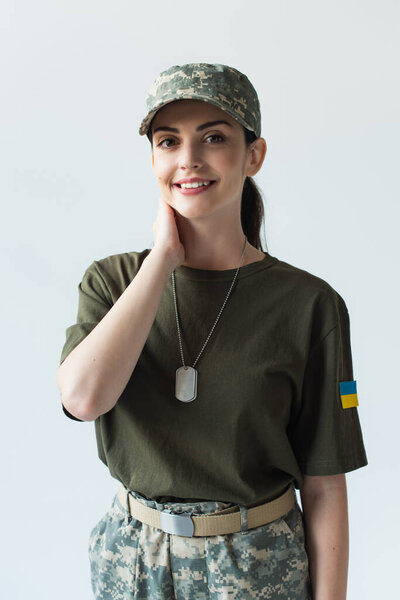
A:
186, 376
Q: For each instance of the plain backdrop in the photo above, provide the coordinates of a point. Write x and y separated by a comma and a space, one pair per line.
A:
77, 185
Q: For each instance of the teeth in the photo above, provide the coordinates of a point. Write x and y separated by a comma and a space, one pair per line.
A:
194, 185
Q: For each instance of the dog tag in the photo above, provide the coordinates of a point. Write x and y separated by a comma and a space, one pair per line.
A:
186, 384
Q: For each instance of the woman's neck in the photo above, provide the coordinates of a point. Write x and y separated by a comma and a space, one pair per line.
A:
226, 262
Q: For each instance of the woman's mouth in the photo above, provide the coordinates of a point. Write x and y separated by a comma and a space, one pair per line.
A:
195, 190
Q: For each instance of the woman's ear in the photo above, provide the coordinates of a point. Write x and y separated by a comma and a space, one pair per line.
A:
152, 159
257, 156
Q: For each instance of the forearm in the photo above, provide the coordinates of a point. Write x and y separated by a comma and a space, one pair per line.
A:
95, 373
327, 541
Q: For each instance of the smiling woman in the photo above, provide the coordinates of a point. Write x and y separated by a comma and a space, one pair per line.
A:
208, 458
202, 143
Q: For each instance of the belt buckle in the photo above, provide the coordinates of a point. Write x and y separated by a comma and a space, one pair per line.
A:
177, 523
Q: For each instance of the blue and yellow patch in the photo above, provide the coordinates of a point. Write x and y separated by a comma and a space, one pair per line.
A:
348, 393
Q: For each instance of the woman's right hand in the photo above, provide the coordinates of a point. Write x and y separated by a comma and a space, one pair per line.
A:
166, 234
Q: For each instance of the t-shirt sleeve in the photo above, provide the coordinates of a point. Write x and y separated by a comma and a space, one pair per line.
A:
94, 301
326, 435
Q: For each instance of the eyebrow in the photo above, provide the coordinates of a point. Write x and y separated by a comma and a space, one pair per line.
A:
199, 128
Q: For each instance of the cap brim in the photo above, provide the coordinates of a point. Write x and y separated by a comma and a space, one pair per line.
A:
144, 126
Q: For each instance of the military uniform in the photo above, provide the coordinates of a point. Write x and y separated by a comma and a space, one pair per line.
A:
276, 400
270, 410
130, 559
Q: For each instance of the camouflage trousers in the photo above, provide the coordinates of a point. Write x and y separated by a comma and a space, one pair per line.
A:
132, 560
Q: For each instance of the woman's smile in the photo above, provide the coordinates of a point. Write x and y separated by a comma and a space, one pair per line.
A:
195, 190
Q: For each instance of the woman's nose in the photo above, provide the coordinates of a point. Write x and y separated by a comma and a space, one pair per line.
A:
189, 157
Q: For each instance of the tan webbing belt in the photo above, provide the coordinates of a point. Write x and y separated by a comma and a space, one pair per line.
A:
222, 522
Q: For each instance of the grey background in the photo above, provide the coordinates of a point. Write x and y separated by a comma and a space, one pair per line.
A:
77, 185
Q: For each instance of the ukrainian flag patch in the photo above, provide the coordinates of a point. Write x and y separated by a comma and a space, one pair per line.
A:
348, 393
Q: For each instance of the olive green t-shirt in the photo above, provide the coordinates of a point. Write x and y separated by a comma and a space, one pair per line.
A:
272, 383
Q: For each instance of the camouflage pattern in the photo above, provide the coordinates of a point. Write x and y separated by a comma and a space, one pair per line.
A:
224, 86
132, 560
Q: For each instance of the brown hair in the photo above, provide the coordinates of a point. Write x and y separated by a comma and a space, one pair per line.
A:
252, 207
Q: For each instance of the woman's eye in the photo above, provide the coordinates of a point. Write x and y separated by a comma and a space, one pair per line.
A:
166, 140
171, 140
215, 135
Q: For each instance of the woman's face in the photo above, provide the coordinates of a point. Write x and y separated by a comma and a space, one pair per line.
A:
197, 148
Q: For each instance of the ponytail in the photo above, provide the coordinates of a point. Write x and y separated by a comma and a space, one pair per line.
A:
252, 207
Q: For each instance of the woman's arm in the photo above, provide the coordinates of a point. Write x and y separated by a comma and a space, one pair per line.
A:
324, 503
95, 373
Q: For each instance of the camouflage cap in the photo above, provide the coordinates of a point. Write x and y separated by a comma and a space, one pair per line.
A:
224, 86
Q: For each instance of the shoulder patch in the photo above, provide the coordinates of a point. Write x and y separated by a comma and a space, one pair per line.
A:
348, 393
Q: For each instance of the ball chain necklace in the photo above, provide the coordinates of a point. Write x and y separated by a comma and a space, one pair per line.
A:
186, 376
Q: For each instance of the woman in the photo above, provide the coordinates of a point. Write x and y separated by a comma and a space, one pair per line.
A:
272, 404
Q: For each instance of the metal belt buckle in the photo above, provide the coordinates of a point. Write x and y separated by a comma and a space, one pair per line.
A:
177, 524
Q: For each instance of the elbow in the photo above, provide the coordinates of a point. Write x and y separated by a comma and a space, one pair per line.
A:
78, 408
316, 485
75, 400
88, 412
76, 404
